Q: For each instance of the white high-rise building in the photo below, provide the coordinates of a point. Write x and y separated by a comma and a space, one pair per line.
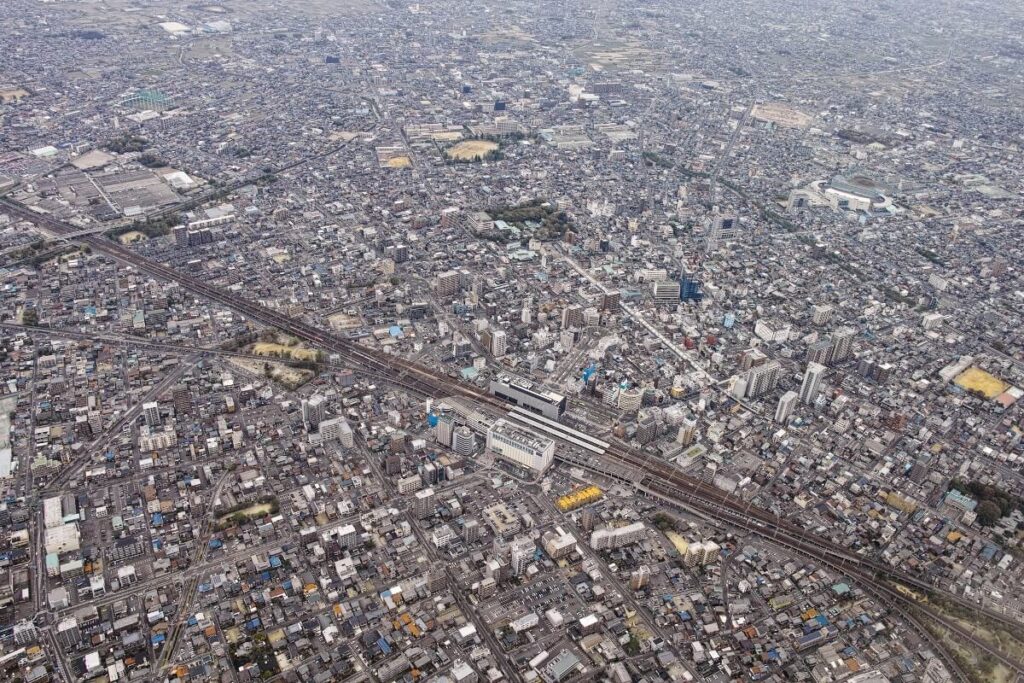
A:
444, 430
423, 503
337, 429
812, 382
762, 379
313, 411
522, 550
842, 344
499, 343
463, 441
786, 405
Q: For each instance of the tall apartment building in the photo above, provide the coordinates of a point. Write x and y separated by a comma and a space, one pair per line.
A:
821, 314
572, 316
610, 538
819, 351
423, 503
812, 382
786, 405
762, 379
313, 411
842, 344
447, 284
499, 343
521, 552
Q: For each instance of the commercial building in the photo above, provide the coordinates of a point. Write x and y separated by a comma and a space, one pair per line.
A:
521, 447
463, 441
524, 393
666, 292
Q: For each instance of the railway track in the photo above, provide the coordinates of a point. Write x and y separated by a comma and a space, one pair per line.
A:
664, 479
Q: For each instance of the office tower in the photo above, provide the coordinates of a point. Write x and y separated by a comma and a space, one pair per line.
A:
687, 432
646, 427
152, 413
499, 343
463, 441
812, 382
526, 316
423, 503
313, 411
722, 228
786, 405
665, 291
182, 398
522, 550
445, 429
762, 379
819, 351
842, 344
471, 530
689, 287
486, 337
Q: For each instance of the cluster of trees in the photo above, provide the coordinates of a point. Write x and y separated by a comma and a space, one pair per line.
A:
236, 514
993, 503
931, 256
156, 227
554, 223
150, 160
127, 143
664, 522
654, 159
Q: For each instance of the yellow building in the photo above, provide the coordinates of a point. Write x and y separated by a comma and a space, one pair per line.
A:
578, 498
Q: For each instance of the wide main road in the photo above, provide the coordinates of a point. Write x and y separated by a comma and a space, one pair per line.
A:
687, 490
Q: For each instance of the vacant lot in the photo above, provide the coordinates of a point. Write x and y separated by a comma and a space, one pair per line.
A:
976, 379
398, 162
471, 149
133, 236
281, 351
